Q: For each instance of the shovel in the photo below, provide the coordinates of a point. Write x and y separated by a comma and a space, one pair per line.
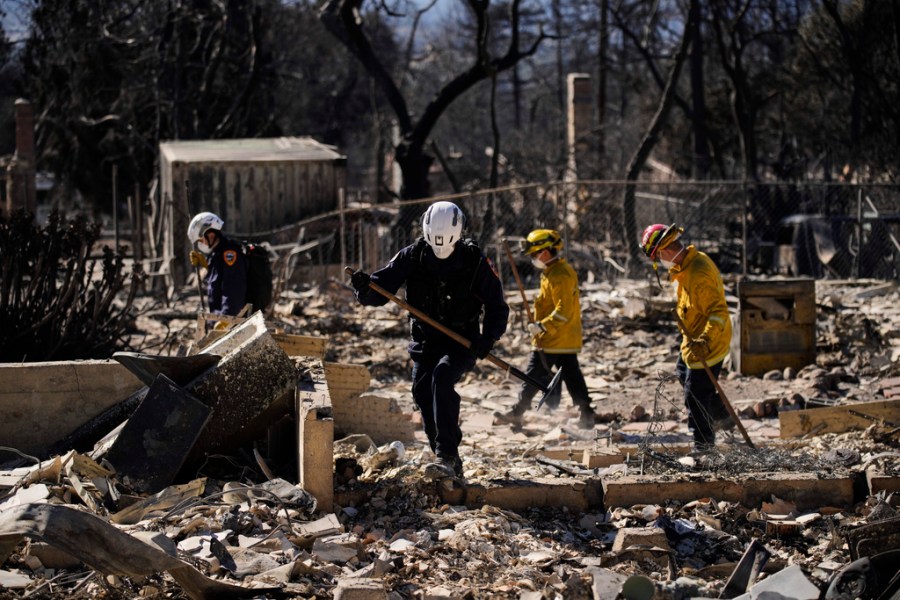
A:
546, 389
525, 308
719, 389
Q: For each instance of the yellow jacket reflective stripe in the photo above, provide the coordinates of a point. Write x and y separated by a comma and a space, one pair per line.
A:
701, 305
558, 308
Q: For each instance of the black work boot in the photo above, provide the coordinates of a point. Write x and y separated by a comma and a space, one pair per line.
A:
513, 417
445, 466
587, 419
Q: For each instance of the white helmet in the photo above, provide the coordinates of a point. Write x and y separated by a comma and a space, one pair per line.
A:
443, 224
203, 222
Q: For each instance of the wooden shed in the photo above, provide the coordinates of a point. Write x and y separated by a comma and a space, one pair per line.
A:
256, 185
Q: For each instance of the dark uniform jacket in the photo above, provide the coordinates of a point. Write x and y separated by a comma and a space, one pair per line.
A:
455, 291
226, 279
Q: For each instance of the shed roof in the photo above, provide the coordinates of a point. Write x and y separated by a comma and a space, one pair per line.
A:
250, 150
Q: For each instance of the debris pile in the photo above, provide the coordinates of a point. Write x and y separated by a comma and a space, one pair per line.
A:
548, 510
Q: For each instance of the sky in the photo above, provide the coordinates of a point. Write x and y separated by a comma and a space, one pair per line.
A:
15, 18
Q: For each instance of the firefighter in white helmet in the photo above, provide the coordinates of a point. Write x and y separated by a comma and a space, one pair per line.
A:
224, 261
449, 279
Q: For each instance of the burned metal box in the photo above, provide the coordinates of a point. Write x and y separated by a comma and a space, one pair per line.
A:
777, 325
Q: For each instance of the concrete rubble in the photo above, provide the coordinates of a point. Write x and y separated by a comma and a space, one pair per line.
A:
548, 511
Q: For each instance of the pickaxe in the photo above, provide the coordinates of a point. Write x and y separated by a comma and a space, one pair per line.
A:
546, 389
719, 389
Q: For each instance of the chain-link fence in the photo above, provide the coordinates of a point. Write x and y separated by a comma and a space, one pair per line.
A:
795, 229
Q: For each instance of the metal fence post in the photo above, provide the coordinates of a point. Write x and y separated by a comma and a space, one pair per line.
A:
343, 232
746, 197
859, 232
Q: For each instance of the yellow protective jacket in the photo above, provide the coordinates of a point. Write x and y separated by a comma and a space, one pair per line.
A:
558, 308
701, 305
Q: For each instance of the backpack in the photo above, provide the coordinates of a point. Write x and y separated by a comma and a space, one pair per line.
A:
260, 278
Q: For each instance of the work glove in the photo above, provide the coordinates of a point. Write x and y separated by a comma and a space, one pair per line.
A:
359, 279
535, 328
481, 346
699, 348
221, 325
198, 259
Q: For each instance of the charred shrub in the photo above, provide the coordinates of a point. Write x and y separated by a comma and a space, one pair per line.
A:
58, 301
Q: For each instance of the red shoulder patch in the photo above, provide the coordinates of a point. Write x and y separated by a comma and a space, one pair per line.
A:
230, 257
493, 269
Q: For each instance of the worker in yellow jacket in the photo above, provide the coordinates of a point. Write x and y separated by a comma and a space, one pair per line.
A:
556, 329
702, 307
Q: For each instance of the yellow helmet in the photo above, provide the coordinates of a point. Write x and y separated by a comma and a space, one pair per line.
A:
541, 239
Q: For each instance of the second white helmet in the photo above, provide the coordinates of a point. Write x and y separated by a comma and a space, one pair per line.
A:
203, 222
442, 225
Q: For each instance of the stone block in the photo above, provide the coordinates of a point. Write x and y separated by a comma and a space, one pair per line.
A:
639, 536
359, 589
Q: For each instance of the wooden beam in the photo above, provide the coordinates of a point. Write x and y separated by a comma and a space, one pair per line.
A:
836, 419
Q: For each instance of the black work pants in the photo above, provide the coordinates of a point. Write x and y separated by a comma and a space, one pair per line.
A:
434, 377
571, 376
701, 399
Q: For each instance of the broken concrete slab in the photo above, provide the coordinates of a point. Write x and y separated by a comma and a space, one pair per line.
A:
44, 401
574, 494
152, 447
358, 588
807, 490
644, 536
605, 583
381, 418
327, 525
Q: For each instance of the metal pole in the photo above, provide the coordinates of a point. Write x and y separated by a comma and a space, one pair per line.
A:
744, 230
115, 207
859, 232
343, 229
138, 224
